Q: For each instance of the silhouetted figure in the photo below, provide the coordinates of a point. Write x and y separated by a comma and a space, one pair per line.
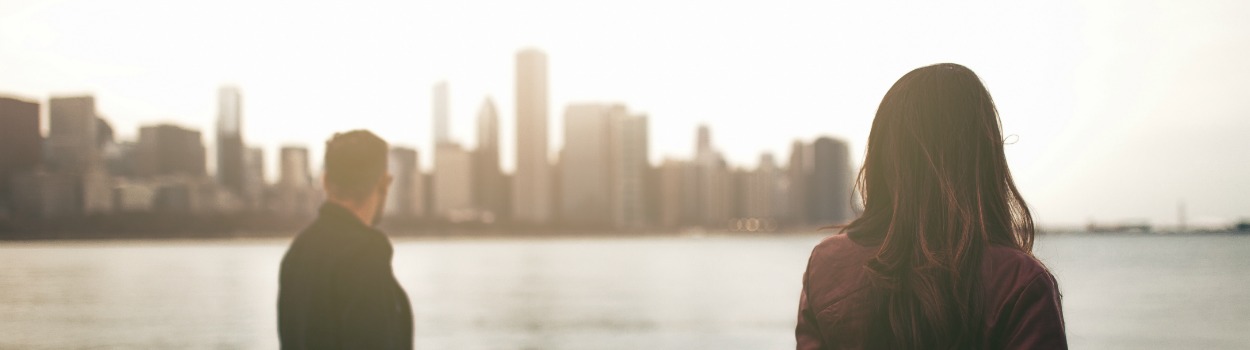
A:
336, 288
941, 256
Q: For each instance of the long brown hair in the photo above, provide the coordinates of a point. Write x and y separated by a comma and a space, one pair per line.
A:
936, 192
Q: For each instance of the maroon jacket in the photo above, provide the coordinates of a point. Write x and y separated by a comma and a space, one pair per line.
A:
1023, 299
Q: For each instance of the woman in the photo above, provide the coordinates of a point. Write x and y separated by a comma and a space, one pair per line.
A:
941, 256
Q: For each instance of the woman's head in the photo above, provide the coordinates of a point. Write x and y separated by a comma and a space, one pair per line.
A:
936, 191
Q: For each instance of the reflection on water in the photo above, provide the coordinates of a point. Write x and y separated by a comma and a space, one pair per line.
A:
1130, 292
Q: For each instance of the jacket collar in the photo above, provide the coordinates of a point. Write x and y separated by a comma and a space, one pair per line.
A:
338, 215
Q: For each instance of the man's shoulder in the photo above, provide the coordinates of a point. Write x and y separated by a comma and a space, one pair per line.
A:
347, 242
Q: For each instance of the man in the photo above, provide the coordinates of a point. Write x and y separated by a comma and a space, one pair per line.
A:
336, 287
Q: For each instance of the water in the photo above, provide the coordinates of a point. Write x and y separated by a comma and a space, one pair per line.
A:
1120, 292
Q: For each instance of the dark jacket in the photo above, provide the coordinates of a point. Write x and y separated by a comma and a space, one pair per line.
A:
337, 291
1022, 299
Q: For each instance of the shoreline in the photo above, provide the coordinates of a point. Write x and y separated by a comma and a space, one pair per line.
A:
496, 234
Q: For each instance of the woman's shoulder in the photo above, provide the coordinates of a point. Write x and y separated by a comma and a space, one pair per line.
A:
1009, 271
1002, 259
840, 244
839, 252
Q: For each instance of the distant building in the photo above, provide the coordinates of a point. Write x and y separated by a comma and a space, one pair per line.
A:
295, 193
672, 176
531, 202
231, 152
20, 144
764, 195
629, 166
603, 167
96, 191
170, 150
798, 176
121, 159
489, 189
737, 195
442, 126
714, 183
831, 182
453, 192
404, 199
72, 134
192, 195
294, 168
585, 160
41, 194
254, 178
134, 196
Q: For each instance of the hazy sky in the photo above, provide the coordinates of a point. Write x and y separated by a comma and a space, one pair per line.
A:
1119, 110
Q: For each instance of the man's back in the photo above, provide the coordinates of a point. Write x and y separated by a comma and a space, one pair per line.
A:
337, 289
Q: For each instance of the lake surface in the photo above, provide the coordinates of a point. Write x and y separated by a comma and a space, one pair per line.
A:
734, 292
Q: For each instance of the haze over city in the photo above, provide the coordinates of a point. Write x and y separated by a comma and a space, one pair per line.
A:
1117, 111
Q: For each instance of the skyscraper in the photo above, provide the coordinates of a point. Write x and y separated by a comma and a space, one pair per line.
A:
764, 197
714, 182
831, 182
170, 150
404, 199
453, 192
72, 136
585, 164
531, 189
294, 194
629, 167
489, 194
230, 149
254, 177
673, 194
442, 128
798, 175
294, 171
20, 143
603, 167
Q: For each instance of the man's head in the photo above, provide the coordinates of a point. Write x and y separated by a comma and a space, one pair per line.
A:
355, 173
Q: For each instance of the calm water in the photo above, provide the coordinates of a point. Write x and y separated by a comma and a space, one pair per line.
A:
1120, 292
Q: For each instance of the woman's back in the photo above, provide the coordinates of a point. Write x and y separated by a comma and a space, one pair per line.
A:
940, 256
837, 309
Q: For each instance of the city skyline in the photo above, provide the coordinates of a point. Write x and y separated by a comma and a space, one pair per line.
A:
1088, 90
601, 178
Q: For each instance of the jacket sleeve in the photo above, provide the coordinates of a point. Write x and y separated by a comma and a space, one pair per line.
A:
368, 319
1036, 317
807, 333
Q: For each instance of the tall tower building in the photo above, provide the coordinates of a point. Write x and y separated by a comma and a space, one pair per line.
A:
489, 194
531, 188
231, 161
442, 128
230, 148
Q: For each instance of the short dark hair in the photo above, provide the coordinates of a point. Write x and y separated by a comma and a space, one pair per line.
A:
355, 162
